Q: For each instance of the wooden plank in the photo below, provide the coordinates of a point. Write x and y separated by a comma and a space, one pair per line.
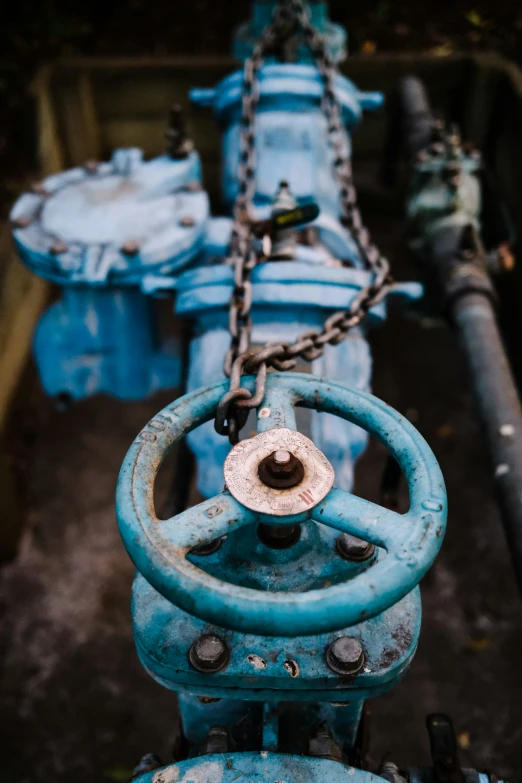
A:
22, 298
23, 294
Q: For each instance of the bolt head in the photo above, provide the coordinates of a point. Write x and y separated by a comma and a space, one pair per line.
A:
345, 655
187, 221
148, 763
281, 469
38, 189
194, 186
279, 536
353, 548
21, 222
57, 248
130, 248
207, 549
209, 654
91, 166
322, 745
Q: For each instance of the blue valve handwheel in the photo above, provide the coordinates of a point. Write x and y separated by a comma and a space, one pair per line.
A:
158, 548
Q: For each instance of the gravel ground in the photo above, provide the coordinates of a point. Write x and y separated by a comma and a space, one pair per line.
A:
76, 704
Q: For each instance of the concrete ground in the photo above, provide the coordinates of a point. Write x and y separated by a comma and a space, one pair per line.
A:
76, 705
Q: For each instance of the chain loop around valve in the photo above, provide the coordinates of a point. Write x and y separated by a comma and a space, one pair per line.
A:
289, 17
233, 408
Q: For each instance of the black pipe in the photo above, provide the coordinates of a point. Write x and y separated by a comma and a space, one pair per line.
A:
415, 119
498, 407
455, 262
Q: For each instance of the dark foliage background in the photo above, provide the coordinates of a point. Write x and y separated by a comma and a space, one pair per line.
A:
32, 31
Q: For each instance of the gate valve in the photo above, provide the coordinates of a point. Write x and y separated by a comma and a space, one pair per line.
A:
102, 231
159, 548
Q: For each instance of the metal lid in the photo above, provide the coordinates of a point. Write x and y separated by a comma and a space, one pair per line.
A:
115, 221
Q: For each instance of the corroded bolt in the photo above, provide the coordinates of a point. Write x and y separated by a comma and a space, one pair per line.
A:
279, 536
345, 655
209, 654
208, 548
353, 548
130, 248
217, 741
322, 745
91, 166
58, 247
38, 189
148, 763
21, 222
280, 470
187, 221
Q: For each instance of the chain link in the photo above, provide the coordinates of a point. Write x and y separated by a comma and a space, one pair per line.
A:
289, 17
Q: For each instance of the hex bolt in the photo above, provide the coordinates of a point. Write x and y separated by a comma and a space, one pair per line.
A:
280, 470
208, 548
187, 221
91, 166
194, 186
322, 745
279, 536
130, 248
209, 654
58, 247
218, 740
148, 763
345, 655
38, 189
390, 771
353, 548
21, 222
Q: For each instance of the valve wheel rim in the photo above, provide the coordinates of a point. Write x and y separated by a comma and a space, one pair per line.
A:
158, 548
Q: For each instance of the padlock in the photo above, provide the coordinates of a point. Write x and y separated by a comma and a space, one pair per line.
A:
245, 604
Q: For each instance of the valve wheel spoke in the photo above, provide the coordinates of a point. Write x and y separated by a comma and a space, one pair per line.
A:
277, 410
205, 522
358, 517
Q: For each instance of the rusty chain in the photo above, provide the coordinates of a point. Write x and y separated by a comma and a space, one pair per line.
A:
289, 17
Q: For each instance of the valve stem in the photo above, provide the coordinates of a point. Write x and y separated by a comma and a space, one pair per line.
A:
179, 146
